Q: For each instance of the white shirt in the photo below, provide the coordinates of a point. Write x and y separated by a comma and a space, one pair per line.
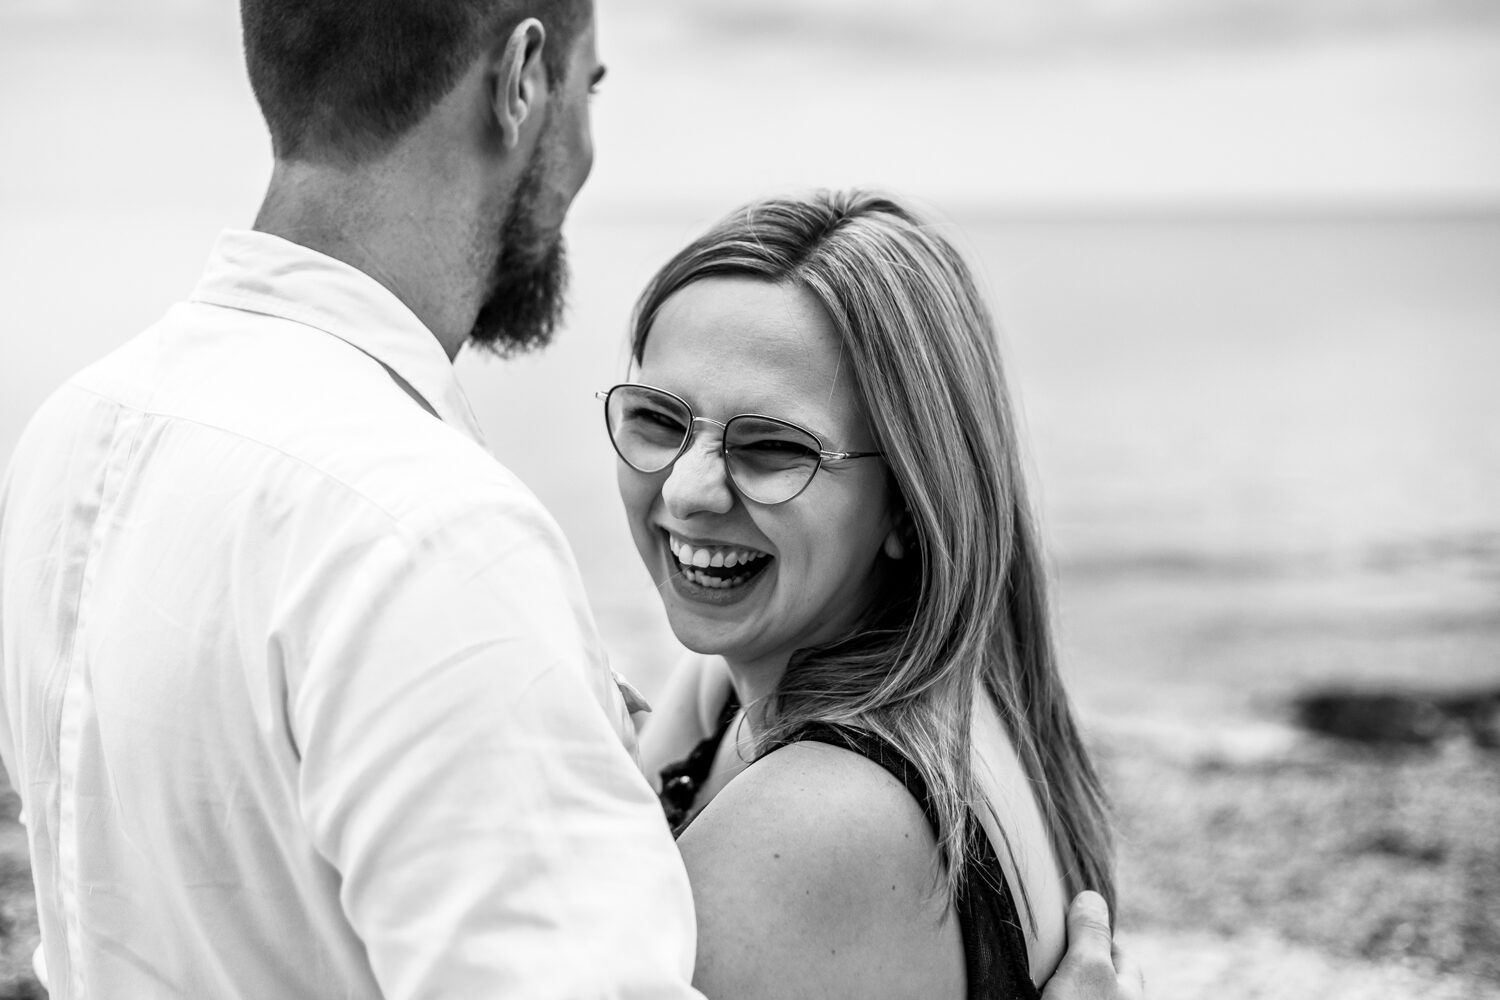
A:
301, 695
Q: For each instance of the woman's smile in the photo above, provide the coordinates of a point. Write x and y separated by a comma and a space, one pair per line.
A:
724, 568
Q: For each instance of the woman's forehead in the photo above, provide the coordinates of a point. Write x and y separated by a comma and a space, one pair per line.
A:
745, 327
751, 345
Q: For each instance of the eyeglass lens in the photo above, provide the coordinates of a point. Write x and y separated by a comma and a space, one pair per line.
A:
770, 461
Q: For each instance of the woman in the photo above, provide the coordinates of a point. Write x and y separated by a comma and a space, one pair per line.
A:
879, 786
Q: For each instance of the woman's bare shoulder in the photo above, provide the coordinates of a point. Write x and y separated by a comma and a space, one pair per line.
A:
815, 873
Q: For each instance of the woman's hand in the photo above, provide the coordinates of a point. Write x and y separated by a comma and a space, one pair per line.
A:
1093, 969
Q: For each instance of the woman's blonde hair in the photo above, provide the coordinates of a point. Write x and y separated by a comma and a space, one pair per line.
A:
968, 604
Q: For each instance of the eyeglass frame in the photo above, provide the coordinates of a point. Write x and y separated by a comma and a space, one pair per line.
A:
694, 420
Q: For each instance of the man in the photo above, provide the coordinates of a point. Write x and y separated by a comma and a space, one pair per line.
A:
300, 692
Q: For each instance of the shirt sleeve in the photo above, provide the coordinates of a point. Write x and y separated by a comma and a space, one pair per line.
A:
461, 770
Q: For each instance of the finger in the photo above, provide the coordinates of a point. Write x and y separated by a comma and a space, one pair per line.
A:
1088, 925
1087, 972
1130, 975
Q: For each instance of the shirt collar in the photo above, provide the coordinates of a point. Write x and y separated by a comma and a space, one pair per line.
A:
261, 273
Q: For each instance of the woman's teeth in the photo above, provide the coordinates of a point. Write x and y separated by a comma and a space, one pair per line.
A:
693, 561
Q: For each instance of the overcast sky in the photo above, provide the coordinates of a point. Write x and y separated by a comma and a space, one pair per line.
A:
1025, 105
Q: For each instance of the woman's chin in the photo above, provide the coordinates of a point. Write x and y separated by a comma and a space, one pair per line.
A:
709, 618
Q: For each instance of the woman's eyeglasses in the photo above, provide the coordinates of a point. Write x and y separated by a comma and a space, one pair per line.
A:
770, 461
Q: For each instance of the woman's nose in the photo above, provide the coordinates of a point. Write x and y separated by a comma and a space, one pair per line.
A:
699, 480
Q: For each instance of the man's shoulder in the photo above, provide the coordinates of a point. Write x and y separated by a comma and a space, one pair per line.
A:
289, 411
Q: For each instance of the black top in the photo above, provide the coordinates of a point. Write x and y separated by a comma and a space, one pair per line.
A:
681, 781
995, 960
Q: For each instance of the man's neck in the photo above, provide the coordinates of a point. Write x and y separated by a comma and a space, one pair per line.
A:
424, 255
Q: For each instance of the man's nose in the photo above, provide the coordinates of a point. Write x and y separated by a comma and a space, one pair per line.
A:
699, 480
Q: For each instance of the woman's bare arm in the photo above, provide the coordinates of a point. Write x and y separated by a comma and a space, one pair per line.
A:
814, 875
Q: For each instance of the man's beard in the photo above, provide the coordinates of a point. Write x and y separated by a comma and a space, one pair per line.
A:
527, 286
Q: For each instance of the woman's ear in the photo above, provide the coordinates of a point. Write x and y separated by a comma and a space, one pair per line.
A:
901, 536
893, 547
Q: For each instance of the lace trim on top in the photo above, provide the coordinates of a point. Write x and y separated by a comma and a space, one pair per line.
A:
682, 781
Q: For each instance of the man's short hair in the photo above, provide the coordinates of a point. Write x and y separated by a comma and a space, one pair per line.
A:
342, 81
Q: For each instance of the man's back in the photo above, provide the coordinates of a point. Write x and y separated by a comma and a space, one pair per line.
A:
301, 695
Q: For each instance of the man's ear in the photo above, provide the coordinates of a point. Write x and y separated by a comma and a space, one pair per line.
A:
520, 80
